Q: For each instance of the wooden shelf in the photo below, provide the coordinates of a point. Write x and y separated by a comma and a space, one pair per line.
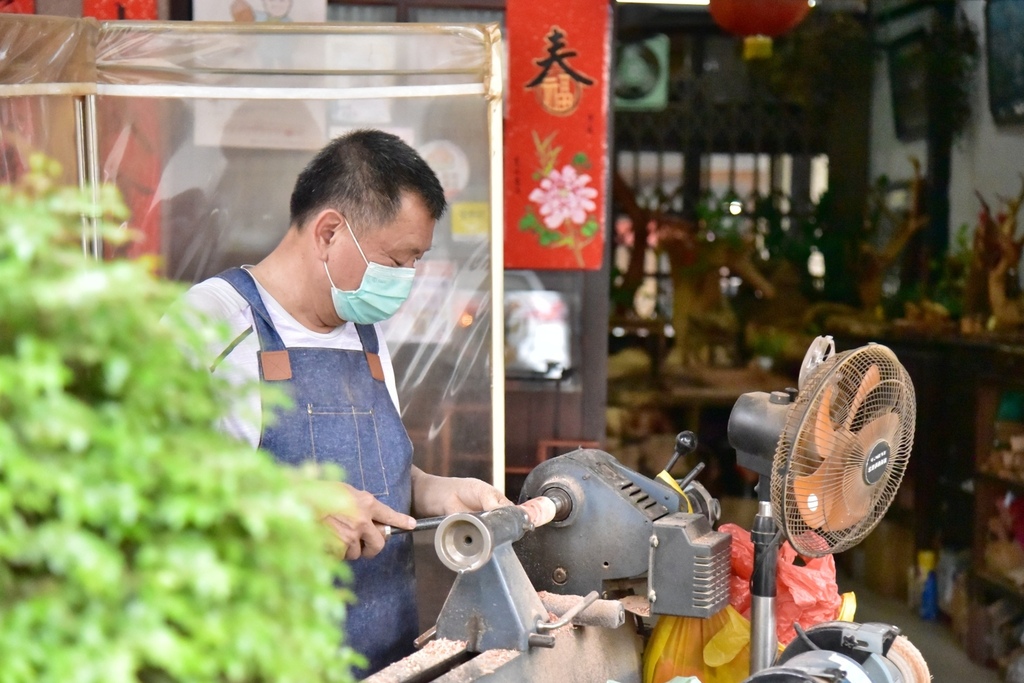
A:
999, 583
1012, 484
990, 487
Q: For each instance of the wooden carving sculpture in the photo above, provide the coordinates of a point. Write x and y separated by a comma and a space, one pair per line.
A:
696, 290
997, 252
874, 262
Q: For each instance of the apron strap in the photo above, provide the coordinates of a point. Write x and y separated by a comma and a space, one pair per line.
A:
243, 283
371, 347
275, 365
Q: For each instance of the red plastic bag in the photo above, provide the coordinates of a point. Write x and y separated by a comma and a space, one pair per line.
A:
806, 594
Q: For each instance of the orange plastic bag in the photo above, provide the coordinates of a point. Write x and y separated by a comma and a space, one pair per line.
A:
714, 650
806, 594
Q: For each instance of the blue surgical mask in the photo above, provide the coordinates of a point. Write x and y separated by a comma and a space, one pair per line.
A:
380, 293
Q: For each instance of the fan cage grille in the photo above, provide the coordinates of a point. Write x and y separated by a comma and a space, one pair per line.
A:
825, 493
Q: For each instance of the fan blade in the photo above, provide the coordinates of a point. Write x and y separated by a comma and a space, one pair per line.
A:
808, 493
885, 426
855, 496
814, 491
823, 433
869, 381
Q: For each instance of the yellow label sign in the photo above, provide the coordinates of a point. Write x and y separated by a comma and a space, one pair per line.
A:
471, 219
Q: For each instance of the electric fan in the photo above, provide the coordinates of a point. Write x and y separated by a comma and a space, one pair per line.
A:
844, 450
830, 455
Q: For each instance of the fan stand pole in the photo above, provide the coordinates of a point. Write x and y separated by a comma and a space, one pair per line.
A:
763, 640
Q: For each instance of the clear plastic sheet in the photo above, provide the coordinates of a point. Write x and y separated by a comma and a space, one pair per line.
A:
296, 56
204, 128
47, 50
33, 123
45, 64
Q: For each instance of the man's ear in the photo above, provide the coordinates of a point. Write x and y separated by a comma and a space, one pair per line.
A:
325, 228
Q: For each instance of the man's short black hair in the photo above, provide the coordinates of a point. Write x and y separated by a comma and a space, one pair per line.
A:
363, 174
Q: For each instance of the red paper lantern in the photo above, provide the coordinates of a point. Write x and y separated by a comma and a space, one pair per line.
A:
758, 21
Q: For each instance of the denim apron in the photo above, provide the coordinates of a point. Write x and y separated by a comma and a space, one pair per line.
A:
344, 415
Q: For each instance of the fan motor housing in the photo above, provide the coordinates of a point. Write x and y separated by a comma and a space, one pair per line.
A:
755, 423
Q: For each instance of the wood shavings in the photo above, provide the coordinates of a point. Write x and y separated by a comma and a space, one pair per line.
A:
637, 604
432, 654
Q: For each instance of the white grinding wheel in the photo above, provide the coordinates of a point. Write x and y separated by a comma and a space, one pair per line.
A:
908, 660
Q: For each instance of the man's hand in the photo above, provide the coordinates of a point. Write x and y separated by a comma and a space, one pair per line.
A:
357, 519
434, 496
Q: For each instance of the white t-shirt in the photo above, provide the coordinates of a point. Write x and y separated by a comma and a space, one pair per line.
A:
220, 301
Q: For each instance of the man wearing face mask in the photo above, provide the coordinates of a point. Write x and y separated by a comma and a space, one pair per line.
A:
306, 318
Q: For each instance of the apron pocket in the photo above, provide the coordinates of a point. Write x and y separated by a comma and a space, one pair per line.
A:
348, 437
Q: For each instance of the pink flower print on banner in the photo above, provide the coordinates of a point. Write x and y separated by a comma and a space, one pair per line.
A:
564, 200
564, 196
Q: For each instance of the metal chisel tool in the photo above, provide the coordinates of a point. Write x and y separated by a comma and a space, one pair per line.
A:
424, 524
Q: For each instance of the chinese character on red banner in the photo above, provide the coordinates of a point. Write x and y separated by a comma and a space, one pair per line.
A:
18, 6
556, 135
119, 9
558, 86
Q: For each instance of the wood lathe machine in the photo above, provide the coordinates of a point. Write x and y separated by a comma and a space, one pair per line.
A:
557, 588
560, 588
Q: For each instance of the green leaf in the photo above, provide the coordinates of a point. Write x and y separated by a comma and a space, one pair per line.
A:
137, 543
545, 236
549, 237
529, 222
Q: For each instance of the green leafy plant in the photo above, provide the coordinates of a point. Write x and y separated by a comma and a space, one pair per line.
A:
951, 284
767, 342
811, 65
720, 217
137, 543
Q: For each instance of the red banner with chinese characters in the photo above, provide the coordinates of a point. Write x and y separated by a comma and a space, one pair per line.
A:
556, 133
18, 6
119, 9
